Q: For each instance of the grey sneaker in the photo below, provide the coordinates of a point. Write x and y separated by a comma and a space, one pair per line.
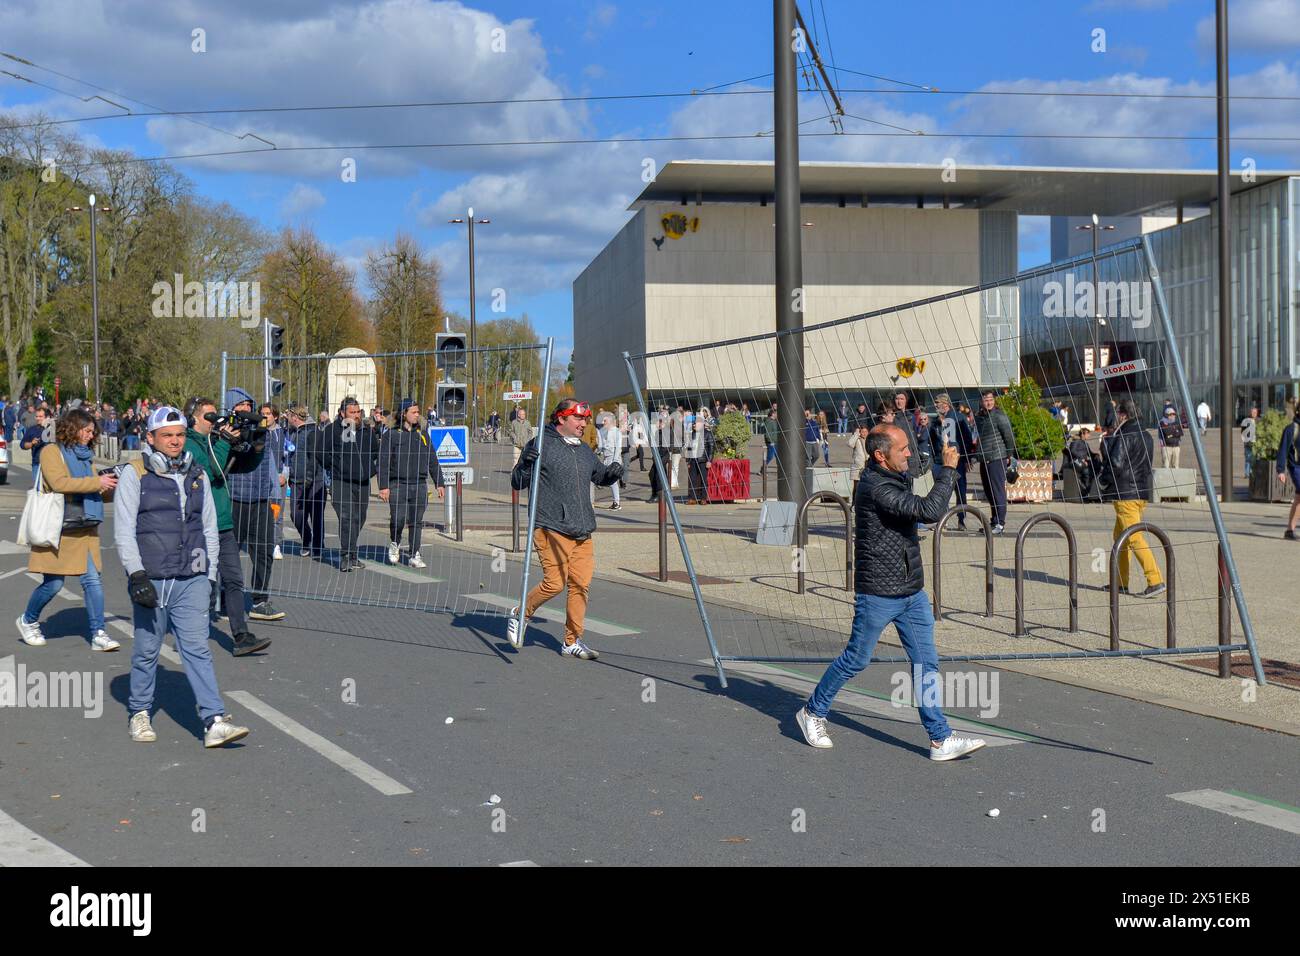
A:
1154, 590
579, 650
222, 731
814, 729
266, 611
141, 729
100, 641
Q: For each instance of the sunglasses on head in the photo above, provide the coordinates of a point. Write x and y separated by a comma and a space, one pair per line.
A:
582, 410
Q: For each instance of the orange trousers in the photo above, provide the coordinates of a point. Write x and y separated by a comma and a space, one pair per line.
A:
565, 561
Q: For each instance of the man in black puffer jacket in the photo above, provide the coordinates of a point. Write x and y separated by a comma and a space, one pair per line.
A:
1126, 457
889, 581
350, 451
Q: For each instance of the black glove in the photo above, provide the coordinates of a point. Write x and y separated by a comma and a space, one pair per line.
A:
528, 455
613, 472
142, 592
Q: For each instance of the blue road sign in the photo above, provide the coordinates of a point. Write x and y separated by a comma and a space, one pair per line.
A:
451, 442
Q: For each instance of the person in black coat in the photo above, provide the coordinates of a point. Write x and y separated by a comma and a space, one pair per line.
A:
889, 586
1127, 455
350, 451
406, 460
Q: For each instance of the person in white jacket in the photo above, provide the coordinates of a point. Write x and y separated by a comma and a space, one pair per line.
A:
610, 450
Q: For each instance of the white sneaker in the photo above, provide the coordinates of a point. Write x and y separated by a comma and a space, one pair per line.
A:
276, 555
141, 729
579, 650
513, 634
955, 747
30, 633
814, 728
394, 553
102, 642
417, 561
223, 731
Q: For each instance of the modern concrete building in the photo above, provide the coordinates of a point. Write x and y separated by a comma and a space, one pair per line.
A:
694, 265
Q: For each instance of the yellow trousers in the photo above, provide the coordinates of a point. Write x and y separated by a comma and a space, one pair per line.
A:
1127, 514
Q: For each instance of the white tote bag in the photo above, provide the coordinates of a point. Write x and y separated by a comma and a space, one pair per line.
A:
42, 522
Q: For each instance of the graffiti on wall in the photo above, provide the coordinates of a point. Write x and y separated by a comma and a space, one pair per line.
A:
675, 225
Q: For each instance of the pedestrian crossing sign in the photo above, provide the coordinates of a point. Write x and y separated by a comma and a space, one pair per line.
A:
451, 443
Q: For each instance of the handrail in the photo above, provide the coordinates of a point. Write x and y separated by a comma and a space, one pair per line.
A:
1170, 640
988, 558
801, 524
1073, 548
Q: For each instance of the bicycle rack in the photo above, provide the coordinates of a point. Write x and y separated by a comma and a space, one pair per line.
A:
1170, 640
1020, 570
801, 524
988, 558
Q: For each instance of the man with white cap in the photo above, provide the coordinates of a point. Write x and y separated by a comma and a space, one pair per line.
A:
166, 534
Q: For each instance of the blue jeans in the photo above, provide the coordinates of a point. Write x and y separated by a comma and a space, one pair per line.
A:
91, 588
914, 621
182, 607
771, 455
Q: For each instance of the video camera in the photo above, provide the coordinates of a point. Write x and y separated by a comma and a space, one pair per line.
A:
248, 425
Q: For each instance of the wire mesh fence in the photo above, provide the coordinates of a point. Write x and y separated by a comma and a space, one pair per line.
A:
379, 489
1095, 452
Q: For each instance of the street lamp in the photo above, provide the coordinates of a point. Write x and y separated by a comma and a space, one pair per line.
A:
94, 281
1095, 227
470, 222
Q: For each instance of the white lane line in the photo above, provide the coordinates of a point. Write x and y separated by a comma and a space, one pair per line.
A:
10, 574
1279, 817
874, 705
9, 547
330, 751
20, 846
520, 863
63, 592
594, 624
402, 573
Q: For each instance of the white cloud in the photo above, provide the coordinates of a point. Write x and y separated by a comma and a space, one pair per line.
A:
1256, 25
301, 202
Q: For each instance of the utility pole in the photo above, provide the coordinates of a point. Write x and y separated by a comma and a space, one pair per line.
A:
94, 292
1097, 319
473, 324
1227, 401
790, 485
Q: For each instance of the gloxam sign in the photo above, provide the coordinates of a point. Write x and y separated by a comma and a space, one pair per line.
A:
1107, 300
208, 300
74, 909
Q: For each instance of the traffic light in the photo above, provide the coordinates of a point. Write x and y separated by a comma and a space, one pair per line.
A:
451, 402
274, 353
451, 354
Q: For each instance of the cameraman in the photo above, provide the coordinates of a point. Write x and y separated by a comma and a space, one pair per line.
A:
254, 502
215, 454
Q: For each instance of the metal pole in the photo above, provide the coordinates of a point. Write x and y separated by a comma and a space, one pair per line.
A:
1096, 326
532, 485
1225, 619
663, 537
514, 520
789, 260
94, 292
664, 491
473, 336
1226, 398
266, 358
1203, 462
460, 506
221, 400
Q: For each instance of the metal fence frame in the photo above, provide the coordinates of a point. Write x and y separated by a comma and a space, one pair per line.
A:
1180, 380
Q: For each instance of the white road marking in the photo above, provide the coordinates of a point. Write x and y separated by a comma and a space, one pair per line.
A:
594, 624
330, 751
125, 626
520, 863
10, 574
402, 573
9, 547
1235, 805
20, 846
872, 705
63, 592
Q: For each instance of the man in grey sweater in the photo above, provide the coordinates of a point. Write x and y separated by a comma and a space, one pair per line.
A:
565, 519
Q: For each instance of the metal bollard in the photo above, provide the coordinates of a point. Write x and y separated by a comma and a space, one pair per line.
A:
1170, 640
988, 558
514, 520
460, 506
1225, 618
801, 524
1072, 547
663, 537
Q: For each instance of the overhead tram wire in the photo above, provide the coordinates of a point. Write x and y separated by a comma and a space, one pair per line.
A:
716, 137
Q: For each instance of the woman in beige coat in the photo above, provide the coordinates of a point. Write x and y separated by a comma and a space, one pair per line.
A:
67, 468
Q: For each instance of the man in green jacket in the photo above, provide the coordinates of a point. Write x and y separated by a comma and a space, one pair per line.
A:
214, 451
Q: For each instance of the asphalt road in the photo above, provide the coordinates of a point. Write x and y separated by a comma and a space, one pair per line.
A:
592, 764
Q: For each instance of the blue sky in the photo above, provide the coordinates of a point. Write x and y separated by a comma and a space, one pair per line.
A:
553, 207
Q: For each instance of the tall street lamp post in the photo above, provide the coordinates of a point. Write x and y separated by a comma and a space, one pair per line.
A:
94, 281
470, 222
1095, 227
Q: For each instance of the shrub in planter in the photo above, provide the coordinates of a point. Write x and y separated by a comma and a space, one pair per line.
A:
1039, 436
1264, 485
731, 437
729, 473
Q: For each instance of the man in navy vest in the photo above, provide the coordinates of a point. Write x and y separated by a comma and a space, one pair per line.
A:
167, 539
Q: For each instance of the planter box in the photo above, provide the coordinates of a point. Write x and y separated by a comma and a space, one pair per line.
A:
1264, 485
838, 480
729, 479
1177, 484
1035, 482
